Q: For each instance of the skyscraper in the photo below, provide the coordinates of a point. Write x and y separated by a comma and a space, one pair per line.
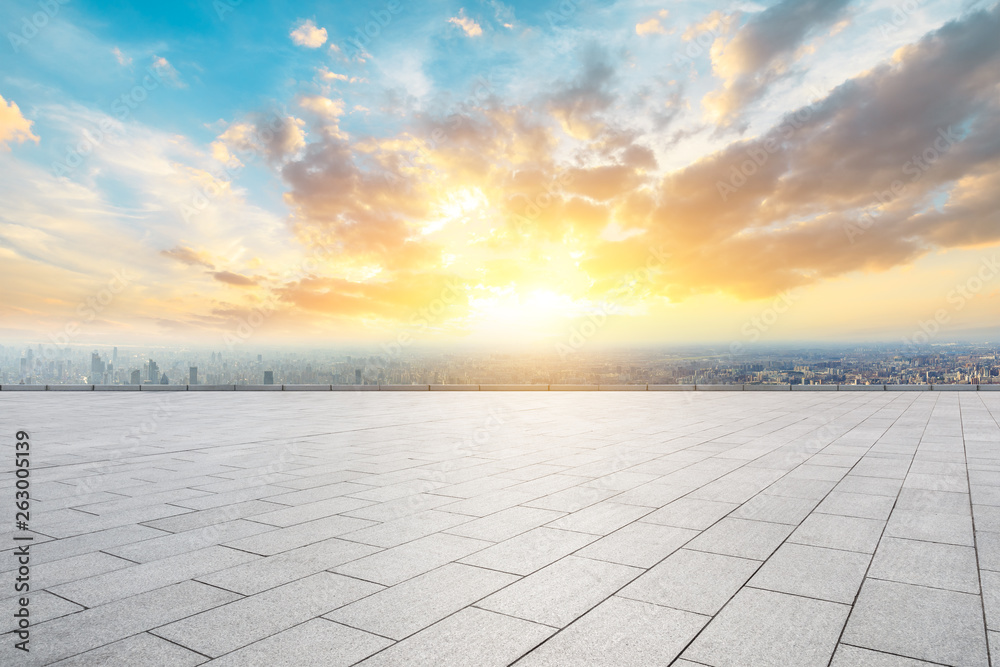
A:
357, 376
136, 377
193, 375
268, 377
153, 375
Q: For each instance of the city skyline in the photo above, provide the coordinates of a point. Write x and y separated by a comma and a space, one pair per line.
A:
489, 173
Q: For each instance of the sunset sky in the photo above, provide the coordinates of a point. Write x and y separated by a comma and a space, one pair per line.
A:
491, 171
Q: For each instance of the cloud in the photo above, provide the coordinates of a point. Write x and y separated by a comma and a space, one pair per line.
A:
233, 279
188, 256
122, 59
912, 144
469, 26
577, 104
762, 52
13, 125
308, 35
166, 71
652, 26
274, 135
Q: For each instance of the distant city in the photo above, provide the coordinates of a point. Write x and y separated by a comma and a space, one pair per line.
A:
956, 363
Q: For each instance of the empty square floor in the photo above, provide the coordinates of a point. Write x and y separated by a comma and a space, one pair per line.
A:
719, 529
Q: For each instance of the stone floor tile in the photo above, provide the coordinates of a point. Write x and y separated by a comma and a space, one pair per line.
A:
470, 637
392, 566
104, 588
694, 581
742, 538
413, 605
930, 527
619, 633
926, 564
505, 524
600, 519
852, 656
232, 626
561, 592
530, 551
315, 642
638, 544
838, 532
142, 649
691, 513
918, 622
762, 629
813, 572
865, 506
776, 509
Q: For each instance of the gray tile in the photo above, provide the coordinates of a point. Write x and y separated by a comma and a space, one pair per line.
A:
777, 509
865, 506
530, 551
505, 524
918, 622
392, 566
470, 637
561, 592
926, 564
619, 633
693, 581
299, 535
136, 579
408, 528
838, 532
852, 656
931, 527
142, 649
813, 572
763, 628
43, 606
878, 486
92, 628
941, 502
251, 619
991, 599
186, 541
691, 513
573, 499
401, 610
638, 544
988, 549
314, 642
264, 573
743, 538
600, 519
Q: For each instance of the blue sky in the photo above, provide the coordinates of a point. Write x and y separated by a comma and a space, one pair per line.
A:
652, 106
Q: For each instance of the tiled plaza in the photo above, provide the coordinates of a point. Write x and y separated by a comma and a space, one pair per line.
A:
479, 529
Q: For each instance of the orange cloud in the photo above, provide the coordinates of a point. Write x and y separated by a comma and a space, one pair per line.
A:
14, 127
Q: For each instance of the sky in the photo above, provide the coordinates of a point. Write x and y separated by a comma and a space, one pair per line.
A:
491, 172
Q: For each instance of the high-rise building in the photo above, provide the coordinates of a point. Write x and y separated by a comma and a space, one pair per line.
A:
357, 376
164, 380
114, 356
153, 374
268, 377
193, 375
136, 377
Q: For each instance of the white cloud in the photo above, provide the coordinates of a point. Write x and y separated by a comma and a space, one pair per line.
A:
308, 35
167, 72
653, 25
122, 59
